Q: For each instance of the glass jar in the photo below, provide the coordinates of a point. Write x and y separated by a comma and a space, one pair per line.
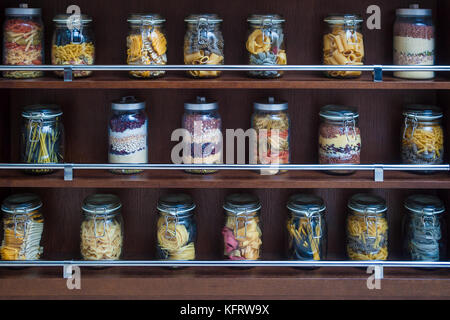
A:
266, 44
203, 122
414, 41
23, 41
242, 231
425, 228
177, 229
73, 43
367, 228
203, 44
422, 135
23, 225
128, 128
42, 136
343, 44
102, 228
307, 229
146, 43
272, 124
339, 137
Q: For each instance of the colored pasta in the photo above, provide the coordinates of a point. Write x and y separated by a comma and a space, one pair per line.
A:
242, 237
305, 239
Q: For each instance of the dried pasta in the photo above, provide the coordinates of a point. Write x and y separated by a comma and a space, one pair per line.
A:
306, 241
423, 144
74, 54
101, 240
242, 238
175, 240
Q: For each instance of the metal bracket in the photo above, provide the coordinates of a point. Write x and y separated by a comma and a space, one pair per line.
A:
67, 271
68, 74
378, 73
378, 174
68, 172
379, 272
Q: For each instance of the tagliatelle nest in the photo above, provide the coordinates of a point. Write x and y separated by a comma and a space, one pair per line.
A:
258, 42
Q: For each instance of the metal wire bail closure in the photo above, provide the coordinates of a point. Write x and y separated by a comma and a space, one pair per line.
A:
203, 27
172, 233
428, 223
351, 35
101, 215
414, 122
266, 26
25, 224
350, 125
367, 218
243, 218
39, 123
311, 218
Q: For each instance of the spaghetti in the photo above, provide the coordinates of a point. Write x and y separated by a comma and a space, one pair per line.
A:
305, 239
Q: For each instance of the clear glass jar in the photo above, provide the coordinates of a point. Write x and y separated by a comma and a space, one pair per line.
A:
146, 43
42, 136
307, 228
266, 44
23, 41
272, 124
23, 224
422, 135
425, 228
367, 228
343, 44
128, 126
203, 44
73, 43
242, 231
339, 137
203, 122
101, 228
176, 227
414, 41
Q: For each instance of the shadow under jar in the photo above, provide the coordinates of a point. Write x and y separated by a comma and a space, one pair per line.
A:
23, 224
272, 124
128, 127
203, 44
367, 228
23, 41
203, 122
307, 229
422, 140
146, 43
425, 228
266, 44
102, 228
42, 137
343, 44
176, 227
75, 46
242, 231
339, 137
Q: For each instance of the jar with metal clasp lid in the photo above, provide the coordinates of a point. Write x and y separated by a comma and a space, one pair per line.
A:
42, 136
425, 228
367, 228
422, 135
176, 227
339, 137
203, 44
102, 228
307, 229
23, 224
242, 231
146, 43
266, 44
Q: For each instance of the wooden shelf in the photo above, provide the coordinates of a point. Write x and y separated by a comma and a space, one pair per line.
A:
225, 179
120, 80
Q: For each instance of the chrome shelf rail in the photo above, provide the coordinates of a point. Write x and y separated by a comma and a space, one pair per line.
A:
378, 169
376, 69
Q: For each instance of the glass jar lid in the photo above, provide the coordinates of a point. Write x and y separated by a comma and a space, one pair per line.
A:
306, 204
265, 18
23, 203
127, 103
97, 204
423, 112
201, 104
367, 203
270, 105
413, 11
41, 111
176, 204
347, 19
241, 203
151, 18
23, 10
338, 113
424, 204
208, 17
64, 18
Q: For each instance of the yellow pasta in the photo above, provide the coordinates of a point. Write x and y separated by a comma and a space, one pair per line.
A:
199, 58
74, 54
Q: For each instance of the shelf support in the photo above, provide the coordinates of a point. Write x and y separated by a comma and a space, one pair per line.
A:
68, 74
378, 174
378, 73
68, 172
67, 271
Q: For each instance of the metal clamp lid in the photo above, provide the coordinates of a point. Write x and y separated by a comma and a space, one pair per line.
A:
424, 204
241, 204
176, 204
367, 204
413, 11
423, 112
64, 18
306, 204
265, 19
201, 104
41, 111
19, 204
346, 19
209, 18
338, 113
23, 10
127, 103
101, 204
150, 19
270, 105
